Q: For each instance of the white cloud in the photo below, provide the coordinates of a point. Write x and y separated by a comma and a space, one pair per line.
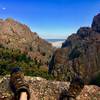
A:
3, 8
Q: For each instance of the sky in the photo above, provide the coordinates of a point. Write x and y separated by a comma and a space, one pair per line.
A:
51, 18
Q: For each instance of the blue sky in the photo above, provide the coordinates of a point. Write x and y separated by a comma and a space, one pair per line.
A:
51, 18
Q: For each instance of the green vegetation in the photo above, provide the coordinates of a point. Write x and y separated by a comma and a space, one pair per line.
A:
96, 80
42, 72
10, 58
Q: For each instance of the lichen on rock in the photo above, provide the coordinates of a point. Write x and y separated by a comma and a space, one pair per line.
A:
42, 89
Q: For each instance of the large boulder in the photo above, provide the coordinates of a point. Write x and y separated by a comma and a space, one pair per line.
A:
47, 90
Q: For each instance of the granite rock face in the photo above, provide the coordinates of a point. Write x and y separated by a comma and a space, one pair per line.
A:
96, 23
42, 89
15, 35
79, 55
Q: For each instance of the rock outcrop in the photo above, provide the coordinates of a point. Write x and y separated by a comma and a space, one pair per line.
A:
15, 35
42, 89
79, 55
96, 23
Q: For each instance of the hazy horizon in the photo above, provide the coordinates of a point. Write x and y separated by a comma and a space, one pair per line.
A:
51, 19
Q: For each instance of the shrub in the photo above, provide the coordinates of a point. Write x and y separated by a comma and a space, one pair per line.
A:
10, 58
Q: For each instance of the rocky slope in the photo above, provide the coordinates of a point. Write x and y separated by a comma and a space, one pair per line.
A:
18, 36
42, 89
79, 55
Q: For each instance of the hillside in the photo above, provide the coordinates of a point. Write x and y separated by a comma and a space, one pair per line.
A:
19, 46
10, 58
15, 35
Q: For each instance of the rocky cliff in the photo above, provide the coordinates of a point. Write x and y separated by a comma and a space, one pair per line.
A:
15, 35
42, 89
79, 55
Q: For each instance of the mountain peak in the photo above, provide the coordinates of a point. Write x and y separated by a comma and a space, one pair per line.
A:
16, 35
96, 23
